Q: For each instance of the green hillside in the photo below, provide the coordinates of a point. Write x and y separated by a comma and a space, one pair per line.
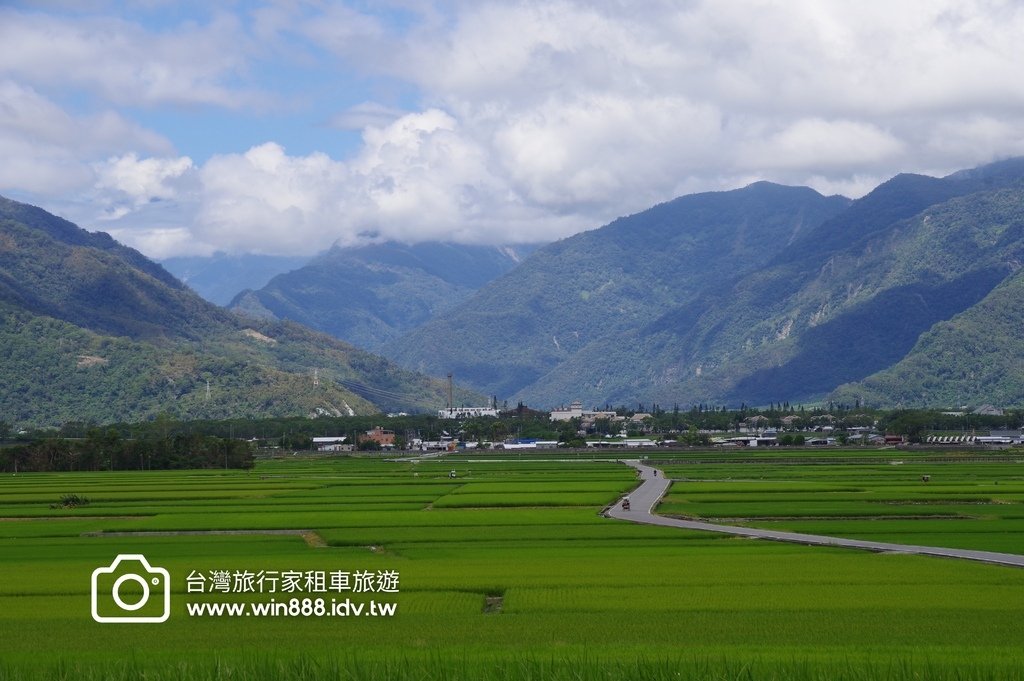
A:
977, 357
92, 331
68, 233
369, 295
62, 274
798, 329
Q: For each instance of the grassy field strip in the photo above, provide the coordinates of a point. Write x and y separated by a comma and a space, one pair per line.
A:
749, 597
362, 536
976, 534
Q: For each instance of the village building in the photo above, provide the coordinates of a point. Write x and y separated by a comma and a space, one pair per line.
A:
527, 443
573, 411
576, 411
753, 424
385, 438
466, 412
332, 444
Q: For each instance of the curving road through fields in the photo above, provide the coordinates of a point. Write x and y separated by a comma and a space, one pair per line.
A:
654, 485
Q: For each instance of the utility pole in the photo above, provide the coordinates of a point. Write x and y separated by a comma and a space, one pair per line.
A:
451, 400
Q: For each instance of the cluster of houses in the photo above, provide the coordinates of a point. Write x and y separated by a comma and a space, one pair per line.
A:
448, 443
386, 441
770, 438
588, 417
755, 431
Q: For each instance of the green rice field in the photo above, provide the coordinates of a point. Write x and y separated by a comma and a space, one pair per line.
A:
509, 571
966, 504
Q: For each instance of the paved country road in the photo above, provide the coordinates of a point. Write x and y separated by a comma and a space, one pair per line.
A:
654, 485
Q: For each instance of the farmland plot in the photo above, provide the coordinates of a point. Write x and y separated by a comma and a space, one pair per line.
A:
506, 571
969, 505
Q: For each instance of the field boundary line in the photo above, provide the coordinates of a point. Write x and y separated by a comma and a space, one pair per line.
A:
15, 519
311, 537
655, 485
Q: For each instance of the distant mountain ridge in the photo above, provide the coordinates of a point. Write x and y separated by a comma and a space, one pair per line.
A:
568, 306
371, 294
220, 277
70, 234
852, 299
762, 294
94, 331
48, 266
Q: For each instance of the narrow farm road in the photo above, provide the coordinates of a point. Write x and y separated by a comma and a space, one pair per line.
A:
654, 485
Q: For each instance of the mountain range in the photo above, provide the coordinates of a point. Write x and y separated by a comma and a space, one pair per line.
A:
95, 331
761, 294
906, 296
369, 295
219, 277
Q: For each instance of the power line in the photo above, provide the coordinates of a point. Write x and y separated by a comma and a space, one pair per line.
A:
362, 389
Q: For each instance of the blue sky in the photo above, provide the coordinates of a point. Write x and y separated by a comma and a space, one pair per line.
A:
285, 126
294, 86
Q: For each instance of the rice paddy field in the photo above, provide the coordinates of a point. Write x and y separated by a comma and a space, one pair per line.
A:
509, 571
922, 498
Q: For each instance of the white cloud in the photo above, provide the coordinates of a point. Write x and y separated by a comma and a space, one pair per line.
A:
587, 150
264, 200
126, 183
595, 111
534, 119
162, 242
125, 63
343, 29
48, 151
978, 134
416, 179
365, 115
846, 146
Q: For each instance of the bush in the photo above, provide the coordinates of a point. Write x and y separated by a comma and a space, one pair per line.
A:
70, 501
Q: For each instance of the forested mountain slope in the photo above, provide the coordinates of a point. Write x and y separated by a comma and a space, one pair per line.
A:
92, 330
572, 300
369, 295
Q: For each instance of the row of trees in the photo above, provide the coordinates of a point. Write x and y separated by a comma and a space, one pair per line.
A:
105, 449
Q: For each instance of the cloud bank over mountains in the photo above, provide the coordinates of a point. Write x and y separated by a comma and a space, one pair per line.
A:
483, 122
